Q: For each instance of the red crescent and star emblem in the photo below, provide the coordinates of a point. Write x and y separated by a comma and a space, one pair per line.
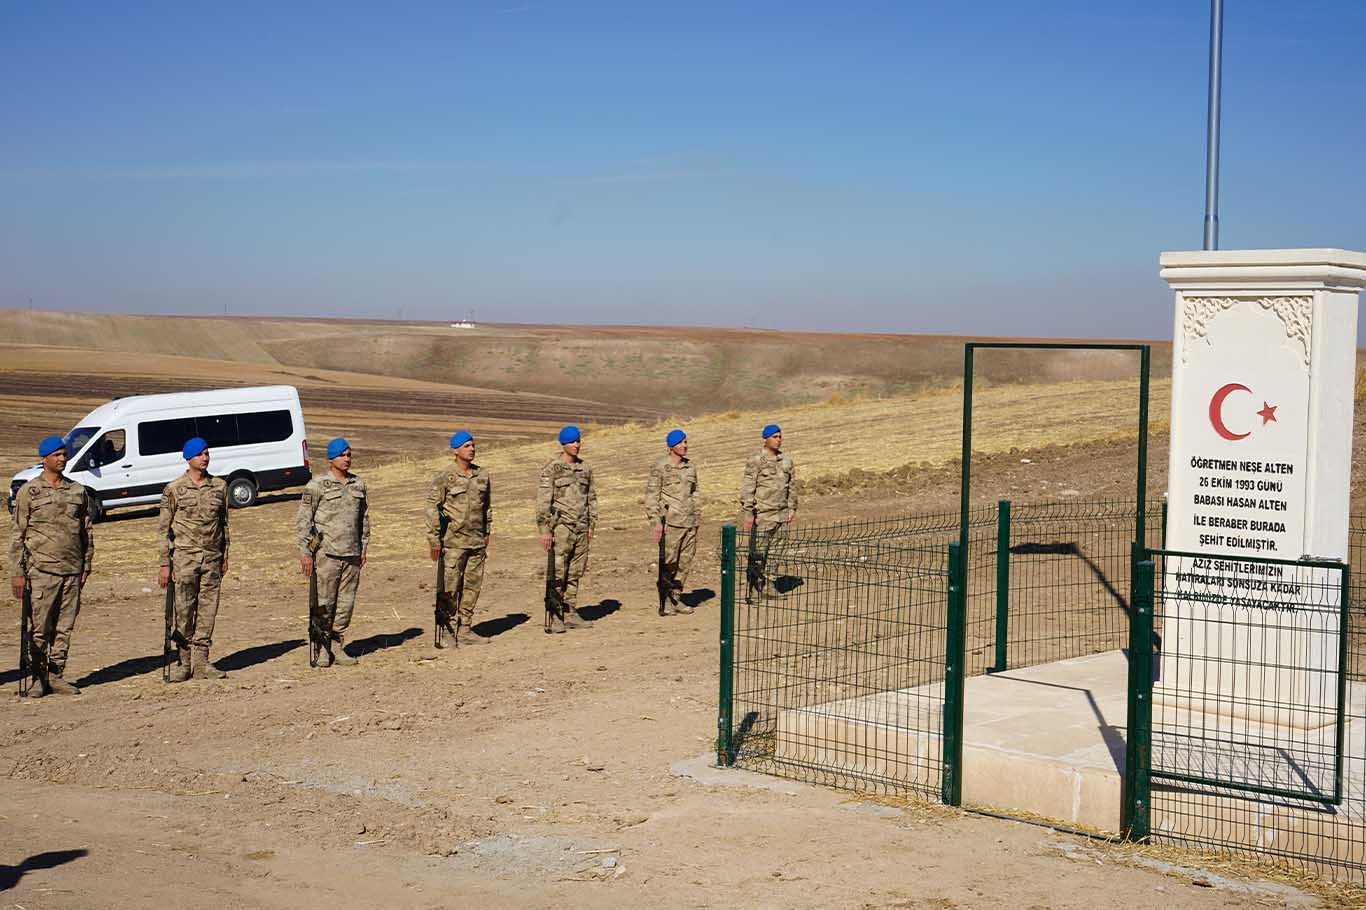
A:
1216, 411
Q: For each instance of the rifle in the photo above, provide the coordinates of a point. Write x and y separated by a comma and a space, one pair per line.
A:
662, 583
171, 636
754, 573
441, 612
554, 603
317, 634
26, 642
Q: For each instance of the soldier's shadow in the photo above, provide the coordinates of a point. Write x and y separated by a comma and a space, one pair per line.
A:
697, 597
257, 654
363, 646
597, 611
38, 862
491, 628
124, 669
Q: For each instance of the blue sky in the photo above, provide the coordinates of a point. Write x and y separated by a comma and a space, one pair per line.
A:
989, 168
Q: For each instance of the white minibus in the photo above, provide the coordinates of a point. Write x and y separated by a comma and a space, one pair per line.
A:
126, 451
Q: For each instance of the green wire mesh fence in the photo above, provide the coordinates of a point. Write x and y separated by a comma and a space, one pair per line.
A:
838, 652
836, 649
1258, 710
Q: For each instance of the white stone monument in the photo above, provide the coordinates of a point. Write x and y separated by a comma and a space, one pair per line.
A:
1263, 380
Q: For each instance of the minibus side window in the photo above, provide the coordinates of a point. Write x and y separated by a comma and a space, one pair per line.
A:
264, 426
159, 437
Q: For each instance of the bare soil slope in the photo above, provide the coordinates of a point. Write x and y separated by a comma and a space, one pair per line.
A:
685, 371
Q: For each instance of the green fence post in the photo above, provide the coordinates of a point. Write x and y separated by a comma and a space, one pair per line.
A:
725, 753
1002, 583
1136, 818
951, 786
1164, 524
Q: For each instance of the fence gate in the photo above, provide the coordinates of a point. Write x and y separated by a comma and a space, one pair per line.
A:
1248, 709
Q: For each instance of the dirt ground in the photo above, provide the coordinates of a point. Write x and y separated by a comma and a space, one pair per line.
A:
534, 771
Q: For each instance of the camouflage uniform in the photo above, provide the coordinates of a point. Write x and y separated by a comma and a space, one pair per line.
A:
333, 527
193, 533
52, 546
768, 492
466, 502
671, 494
567, 507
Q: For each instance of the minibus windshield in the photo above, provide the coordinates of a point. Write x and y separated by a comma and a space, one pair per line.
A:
78, 438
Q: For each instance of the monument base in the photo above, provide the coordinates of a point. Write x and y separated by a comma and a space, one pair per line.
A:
1050, 741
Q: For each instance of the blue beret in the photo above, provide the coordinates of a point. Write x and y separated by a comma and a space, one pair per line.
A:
460, 438
674, 438
337, 446
49, 445
569, 434
771, 429
193, 448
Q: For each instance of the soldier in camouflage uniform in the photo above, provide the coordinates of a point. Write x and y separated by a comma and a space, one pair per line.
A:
333, 530
51, 549
768, 499
566, 513
193, 532
674, 508
462, 495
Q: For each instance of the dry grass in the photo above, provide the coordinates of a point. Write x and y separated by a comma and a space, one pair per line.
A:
872, 434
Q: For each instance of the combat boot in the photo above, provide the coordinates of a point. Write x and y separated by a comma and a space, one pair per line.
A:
59, 686
337, 652
323, 658
572, 620
464, 635
180, 670
554, 624
38, 687
200, 668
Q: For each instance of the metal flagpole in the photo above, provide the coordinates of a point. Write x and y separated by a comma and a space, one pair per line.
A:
1216, 55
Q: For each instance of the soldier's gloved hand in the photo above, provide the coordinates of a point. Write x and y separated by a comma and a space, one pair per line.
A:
487, 538
436, 553
749, 522
546, 541
16, 586
306, 564
658, 532
791, 515
164, 577
223, 569
85, 576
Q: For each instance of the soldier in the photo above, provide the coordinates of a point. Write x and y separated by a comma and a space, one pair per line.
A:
333, 528
193, 532
51, 549
768, 499
461, 502
674, 509
566, 513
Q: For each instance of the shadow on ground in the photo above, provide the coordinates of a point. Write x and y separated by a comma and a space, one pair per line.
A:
124, 669
597, 611
257, 654
697, 597
10, 875
492, 628
363, 646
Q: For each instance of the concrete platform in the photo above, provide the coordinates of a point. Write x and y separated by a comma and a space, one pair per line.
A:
1050, 741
